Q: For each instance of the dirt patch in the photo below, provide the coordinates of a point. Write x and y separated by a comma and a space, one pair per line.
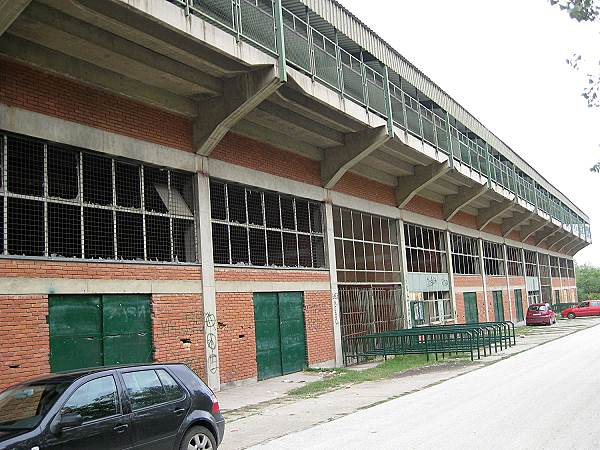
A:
435, 368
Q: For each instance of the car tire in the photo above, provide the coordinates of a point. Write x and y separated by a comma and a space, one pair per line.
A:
571, 315
199, 438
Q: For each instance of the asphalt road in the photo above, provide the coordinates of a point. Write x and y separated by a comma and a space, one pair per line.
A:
544, 398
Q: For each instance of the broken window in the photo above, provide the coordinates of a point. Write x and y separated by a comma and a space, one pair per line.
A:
363, 256
264, 215
531, 269
79, 204
425, 249
514, 261
465, 255
493, 258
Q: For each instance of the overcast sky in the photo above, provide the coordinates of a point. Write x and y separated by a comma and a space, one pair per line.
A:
505, 62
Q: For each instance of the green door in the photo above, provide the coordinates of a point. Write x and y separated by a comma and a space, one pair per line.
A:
280, 333
498, 306
519, 305
268, 339
75, 324
471, 313
94, 330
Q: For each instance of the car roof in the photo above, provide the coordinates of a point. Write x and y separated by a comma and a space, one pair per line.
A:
72, 375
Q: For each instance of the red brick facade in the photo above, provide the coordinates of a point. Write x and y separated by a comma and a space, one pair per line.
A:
319, 326
31, 89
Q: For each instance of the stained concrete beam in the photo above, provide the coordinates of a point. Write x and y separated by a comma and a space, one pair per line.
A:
465, 195
81, 71
485, 216
9, 11
533, 228
241, 94
559, 241
567, 244
517, 219
543, 236
356, 147
410, 185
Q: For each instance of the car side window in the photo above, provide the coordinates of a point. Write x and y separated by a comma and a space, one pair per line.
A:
144, 389
94, 400
584, 305
172, 390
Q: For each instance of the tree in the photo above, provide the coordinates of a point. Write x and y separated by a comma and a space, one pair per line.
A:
588, 282
584, 11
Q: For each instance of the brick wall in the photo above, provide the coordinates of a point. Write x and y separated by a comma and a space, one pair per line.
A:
468, 283
237, 342
24, 341
246, 152
245, 274
28, 88
178, 330
365, 188
90, 270
498, 283
319, 326
425, 207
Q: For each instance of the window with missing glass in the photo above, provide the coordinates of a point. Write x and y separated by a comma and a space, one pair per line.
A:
531, 269
493, 258
425, 249
570, 268
554, 267
64, 202
261, 228
544, 260
366, 247
564, 269
514, 261
465, 255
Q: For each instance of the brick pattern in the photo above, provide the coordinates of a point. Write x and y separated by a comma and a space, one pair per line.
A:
468, 283
237, 339
245, 274
178, 330
28, 88
464, 219
425, 207
498, 283
24, 340
493, 228
319, 326
90, 270
246, 152
365, 188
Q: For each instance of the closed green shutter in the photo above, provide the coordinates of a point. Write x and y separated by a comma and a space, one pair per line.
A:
519, 305
498, 306
293, 340
471, 312
94, 330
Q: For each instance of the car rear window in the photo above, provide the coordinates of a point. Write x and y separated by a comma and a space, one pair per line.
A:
538, 308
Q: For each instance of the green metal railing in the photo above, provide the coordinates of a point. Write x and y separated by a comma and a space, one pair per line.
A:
269, 26
475, 339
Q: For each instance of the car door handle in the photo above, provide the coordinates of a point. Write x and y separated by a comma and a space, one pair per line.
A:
121, 428
179, 411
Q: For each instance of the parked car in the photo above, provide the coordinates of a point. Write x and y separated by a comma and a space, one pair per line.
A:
158, 406
584, 309
540, 314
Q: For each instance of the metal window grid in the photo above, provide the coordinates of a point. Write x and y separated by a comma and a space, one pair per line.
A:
493, 258
531, 267
465, 255
425, 249
514, 261
54, 206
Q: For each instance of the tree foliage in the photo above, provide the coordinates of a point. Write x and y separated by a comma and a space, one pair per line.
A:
588, 282
580, 10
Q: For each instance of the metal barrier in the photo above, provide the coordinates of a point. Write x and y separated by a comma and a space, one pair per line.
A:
560, 307
267, 25
474, 339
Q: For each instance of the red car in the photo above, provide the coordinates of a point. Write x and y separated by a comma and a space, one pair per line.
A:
540, 314
584, 309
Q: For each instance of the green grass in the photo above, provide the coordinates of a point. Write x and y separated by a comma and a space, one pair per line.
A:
343, 377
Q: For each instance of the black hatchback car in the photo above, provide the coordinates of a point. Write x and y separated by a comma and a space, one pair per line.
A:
158, 406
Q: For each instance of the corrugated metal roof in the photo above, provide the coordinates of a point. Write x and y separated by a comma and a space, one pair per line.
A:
348, 24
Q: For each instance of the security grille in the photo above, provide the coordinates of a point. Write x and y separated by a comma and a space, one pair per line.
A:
465, 255
366, 247
493, 258
514, 261
262, 228
570, 268
564, 270
554, 268
63, 202
430, 307
531, 269
425, 249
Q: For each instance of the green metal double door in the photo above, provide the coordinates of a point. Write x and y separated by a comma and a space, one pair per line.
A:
99, 330
471, 312
280, 333
498, 306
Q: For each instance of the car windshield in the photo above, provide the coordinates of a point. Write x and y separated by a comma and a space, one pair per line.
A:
537, 308
22, 407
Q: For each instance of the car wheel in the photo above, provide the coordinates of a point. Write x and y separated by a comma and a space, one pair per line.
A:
571, 315
198, 438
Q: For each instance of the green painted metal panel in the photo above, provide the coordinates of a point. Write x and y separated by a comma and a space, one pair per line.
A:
293, 339
519, 305
127, 329
268, 340
75, 332
471, 312
498, 306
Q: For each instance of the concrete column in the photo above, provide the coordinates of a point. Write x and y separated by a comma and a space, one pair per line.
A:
335, 300
484, 281
205, 248
403, 266
508, 291
537, 262
525, 276
450, 274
